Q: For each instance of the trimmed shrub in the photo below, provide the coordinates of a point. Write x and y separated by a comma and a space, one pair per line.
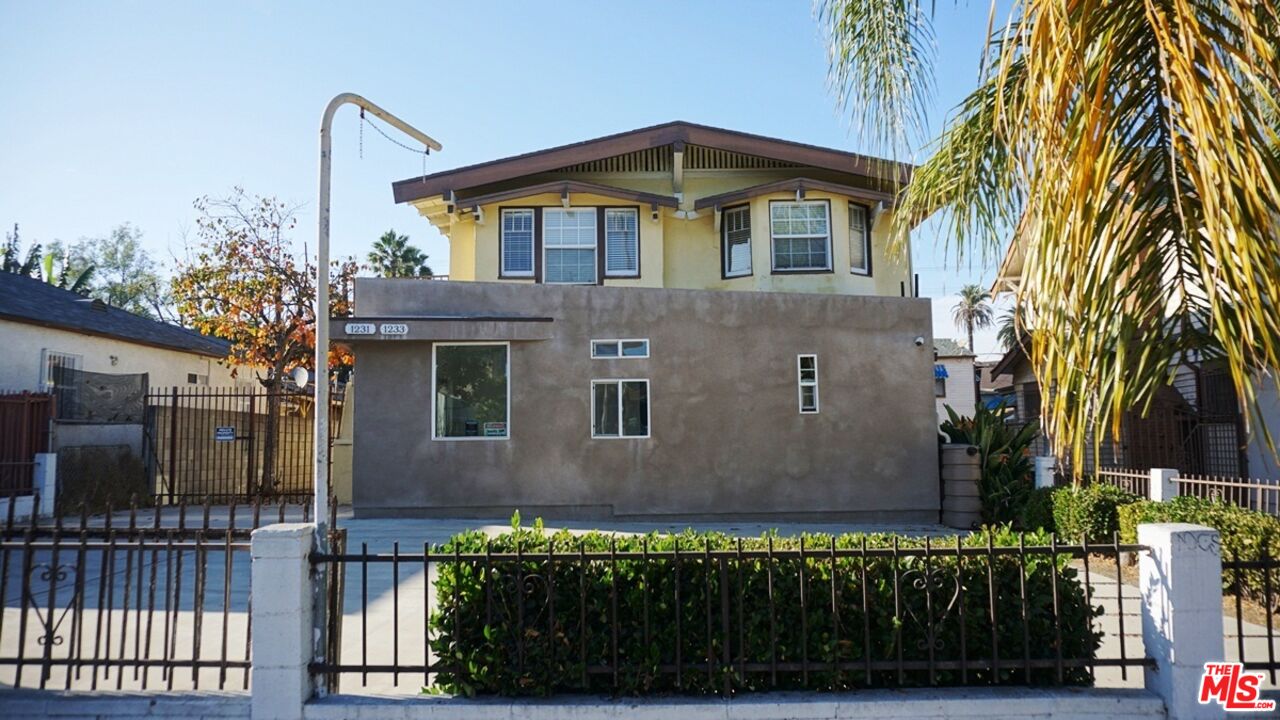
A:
1246, 535
1037, 511
529, 627
1089, 511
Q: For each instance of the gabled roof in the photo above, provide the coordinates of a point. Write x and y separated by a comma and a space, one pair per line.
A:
677, 133
563, 187
35, 302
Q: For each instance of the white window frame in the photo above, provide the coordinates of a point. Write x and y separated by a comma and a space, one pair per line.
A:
619, 356
866, 239
46, 377
648, 409
502, 243
434, 395
726, 249
801, 384
595, 245
773, 245
634, 212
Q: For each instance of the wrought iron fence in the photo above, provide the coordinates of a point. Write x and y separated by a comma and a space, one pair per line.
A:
101, 607
1251, 592
407, 627
232, 444
1254, 494
1131, 480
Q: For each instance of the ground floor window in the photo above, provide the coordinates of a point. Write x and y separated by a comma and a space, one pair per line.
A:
471, 387
619, 408
807, 372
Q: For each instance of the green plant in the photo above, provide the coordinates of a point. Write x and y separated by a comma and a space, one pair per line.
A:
1246, 536
1089, 511
532, 627
1007, 468
1037, 511
96, 478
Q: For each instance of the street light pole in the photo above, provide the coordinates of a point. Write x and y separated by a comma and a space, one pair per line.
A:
321, 501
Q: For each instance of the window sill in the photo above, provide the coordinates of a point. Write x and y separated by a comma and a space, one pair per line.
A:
803, 271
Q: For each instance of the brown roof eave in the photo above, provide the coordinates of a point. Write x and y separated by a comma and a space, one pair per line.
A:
427, 186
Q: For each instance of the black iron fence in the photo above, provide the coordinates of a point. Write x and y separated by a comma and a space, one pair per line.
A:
703, 620
1252, 593
98, 607
232, 444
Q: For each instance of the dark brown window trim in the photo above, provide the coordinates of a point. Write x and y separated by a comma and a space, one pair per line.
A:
724, 245
831, 243
870, 245
536, 217
602, 271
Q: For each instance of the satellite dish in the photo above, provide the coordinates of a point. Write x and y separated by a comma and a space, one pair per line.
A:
300, 377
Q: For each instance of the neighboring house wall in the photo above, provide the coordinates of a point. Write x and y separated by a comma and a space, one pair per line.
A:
23, 343
1262, 462
959, 385
726, 435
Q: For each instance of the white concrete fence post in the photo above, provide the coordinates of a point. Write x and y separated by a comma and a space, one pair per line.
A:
46, 482
1045, 469
282, 614
1163, 486
1180, 578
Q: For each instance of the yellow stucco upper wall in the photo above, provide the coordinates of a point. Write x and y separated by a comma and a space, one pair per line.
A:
682, 249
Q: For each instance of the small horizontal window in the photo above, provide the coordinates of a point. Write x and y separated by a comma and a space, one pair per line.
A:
620, 408
619, 349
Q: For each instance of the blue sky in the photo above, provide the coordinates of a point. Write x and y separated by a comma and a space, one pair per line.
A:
128, 111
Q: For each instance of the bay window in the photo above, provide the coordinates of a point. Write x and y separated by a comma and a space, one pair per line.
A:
859, 240
735, 243
517, 243
621, 242
801, 235
569, 245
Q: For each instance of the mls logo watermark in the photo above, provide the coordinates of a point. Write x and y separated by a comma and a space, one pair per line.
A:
1234, 689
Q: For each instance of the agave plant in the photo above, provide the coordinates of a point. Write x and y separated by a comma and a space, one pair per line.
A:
1004, 451
1131, 148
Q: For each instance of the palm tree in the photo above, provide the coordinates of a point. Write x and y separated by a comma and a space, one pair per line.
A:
1132, 149
973, 312
393, 257
1012, 328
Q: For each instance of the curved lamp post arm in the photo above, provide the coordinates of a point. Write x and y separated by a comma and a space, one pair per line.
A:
321, 473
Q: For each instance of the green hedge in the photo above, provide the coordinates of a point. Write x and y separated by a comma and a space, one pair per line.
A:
1245, 535
478, 635
1090, 511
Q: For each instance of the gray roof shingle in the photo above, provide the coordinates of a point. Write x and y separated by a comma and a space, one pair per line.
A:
28, 300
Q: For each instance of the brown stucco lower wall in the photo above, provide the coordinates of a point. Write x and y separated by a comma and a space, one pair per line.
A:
727, 439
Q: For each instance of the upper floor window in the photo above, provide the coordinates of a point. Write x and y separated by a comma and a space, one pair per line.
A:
859, 240
517, 243
619, 349
735, 243
569, 245
621, 242
801, 235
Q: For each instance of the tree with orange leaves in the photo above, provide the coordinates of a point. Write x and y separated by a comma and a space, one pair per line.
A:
244, 283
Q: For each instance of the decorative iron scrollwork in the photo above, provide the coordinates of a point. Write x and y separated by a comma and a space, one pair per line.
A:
937, 582
53, 577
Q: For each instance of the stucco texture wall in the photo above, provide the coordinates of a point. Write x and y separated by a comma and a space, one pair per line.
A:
21, 345
727, 439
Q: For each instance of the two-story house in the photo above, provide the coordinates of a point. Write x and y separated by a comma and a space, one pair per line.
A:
677, 321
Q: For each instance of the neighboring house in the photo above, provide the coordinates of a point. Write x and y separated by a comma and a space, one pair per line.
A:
46, 330
993, 389
954, 381
1196, 424
592, 364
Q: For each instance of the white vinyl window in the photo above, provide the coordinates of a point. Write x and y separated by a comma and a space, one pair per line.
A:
619, 408
735, 223
517, 243
619, 349
801, 235
859, 240
569, 246
621, 242
807, 380
471, 391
